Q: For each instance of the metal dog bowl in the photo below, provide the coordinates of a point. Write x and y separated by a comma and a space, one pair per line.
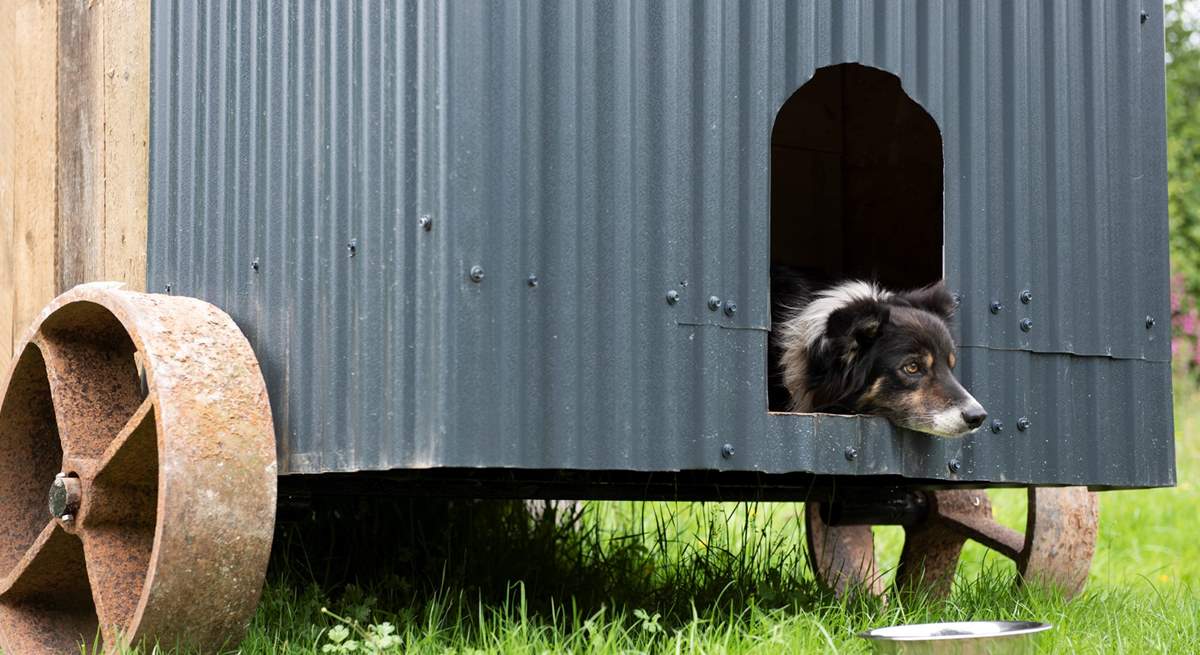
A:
961, 637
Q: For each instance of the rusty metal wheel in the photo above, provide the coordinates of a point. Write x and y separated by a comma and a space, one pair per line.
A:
1055, 550
142, 421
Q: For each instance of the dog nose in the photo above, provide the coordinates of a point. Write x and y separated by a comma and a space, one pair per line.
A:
974, 416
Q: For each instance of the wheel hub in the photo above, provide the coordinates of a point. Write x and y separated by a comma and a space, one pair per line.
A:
65, 496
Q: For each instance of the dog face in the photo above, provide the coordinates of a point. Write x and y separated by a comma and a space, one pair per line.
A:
893, 356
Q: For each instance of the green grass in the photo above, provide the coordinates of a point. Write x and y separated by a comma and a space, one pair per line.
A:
711, 578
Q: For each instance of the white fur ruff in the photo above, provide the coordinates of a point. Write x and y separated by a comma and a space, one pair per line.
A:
804, 330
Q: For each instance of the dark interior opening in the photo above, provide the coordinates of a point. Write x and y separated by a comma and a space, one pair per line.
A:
856, 180
856, 183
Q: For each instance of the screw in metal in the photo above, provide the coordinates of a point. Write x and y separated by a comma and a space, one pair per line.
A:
1150, 322
730, 308
1023, 423
167, 289
1026, 324
1027, 296
532, 281
254, 266
672, 297
352, 247
954, 465
1143, 17
426, 222
477, 273
714, 303
683, 283
851, 453
997, 306
727, 451
997, 426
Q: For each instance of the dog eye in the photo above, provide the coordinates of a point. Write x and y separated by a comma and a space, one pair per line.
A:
912, 368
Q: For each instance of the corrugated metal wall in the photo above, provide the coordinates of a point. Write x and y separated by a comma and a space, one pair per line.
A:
615, 151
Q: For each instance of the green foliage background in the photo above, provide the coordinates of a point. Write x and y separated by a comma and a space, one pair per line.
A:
1183, 138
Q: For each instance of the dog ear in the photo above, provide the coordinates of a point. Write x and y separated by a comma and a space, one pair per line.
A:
861, 321
933, 298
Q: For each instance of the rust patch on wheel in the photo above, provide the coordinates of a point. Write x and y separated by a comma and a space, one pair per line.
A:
1056, 549
142, 511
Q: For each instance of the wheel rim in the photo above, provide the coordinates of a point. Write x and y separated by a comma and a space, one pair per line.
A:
1055, 550
162, 487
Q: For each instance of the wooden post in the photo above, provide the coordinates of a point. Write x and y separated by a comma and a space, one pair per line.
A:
74, 135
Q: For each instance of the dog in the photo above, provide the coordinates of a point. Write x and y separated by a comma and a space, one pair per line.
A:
852, 347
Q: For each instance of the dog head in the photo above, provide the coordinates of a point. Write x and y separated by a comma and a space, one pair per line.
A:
891, 354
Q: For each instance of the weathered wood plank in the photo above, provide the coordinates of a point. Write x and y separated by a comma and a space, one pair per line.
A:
80, 142
7, 144
35, 144
126, 139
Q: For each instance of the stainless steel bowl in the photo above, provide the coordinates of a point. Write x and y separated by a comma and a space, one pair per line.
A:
960, 638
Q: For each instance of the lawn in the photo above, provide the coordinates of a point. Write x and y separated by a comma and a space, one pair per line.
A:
683, 577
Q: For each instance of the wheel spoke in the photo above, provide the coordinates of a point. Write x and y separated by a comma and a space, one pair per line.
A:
94, 383
45, 603
118, 526
969, 513
132, 456
929, 559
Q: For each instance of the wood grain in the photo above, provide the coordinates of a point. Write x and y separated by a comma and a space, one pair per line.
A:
7, 145
35, 141
80, 145
126, 139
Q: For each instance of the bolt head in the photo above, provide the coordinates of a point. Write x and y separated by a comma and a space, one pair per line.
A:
1150, 322
1027, 296
532, 281
727, 451
672, 297
997, 307
477, 273
1143, 17
1023, 423
254, 265
730, 308
954, 465
714, 303
426, 222
64, 496
997, 426
851, 453
1026, 324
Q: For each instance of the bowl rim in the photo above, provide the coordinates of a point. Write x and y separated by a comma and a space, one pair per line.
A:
1018, 628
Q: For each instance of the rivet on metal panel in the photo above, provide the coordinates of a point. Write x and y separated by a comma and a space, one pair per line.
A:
851, 453
727, 451
477, 273
672, 297
1143, 17
426, 222
1150, 322
997, 426
954, 465
254, 266
532, 281
1027, 296
683, 283
1023, 423
1026, 324
730, 308
714, 303
997, 306
352, 247
167, 289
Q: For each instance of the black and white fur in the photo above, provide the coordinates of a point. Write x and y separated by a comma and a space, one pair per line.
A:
852, 347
